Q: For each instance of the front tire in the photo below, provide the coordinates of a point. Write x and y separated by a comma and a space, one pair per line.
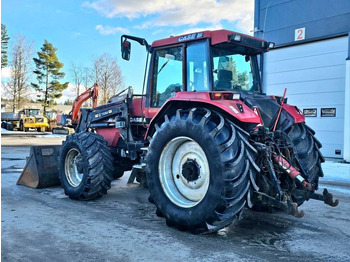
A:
198, 170
86, 166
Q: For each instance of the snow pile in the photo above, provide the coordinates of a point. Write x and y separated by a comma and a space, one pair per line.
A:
335, 171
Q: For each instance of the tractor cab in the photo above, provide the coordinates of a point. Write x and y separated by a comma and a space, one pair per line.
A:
217, 67
218, 60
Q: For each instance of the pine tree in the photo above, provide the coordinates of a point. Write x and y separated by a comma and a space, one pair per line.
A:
48, 73
4, 43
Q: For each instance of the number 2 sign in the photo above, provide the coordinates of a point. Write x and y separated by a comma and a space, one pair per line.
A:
299, 34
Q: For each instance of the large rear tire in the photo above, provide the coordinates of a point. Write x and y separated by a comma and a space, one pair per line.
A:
309, 158
198, 170
85, 166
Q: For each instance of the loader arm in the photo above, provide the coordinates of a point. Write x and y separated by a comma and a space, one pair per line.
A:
92, 92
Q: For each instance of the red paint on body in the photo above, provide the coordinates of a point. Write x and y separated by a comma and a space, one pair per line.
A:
229, 106
111, 135
295, 113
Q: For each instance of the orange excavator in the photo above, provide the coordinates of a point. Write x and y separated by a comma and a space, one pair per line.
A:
71, 120
92, 92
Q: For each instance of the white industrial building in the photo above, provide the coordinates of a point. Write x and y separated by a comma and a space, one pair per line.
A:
311, 60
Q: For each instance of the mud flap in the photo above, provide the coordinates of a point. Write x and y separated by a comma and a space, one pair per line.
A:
41, 169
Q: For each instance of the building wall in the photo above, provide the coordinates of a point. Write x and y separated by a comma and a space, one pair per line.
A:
314, 75
277, 20
316, 68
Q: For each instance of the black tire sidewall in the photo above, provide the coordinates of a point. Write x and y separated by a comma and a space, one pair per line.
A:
200, 212
73, 192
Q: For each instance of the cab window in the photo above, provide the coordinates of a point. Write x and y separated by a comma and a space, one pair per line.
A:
167, 75
232, 71
197, 67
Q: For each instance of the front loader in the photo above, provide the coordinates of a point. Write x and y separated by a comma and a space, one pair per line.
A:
202, 136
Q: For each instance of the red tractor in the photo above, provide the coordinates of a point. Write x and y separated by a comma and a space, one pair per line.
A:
203, 137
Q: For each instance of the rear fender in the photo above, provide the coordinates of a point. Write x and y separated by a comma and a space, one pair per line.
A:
295, 112
235, 109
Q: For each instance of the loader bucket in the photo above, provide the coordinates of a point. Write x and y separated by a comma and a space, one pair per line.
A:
41, 169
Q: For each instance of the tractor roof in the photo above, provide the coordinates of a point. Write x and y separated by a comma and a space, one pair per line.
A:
216, 37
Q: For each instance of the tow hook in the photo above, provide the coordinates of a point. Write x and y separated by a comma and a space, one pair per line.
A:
297, 213
328, 198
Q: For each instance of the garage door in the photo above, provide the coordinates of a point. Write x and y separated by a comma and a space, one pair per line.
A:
314, 75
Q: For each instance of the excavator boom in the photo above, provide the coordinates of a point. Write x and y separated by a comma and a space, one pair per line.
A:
92, 92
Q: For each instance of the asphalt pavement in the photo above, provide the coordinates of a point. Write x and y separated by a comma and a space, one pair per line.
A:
45, 225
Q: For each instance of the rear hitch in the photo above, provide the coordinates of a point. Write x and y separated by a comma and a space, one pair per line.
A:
326, 197
329, 198
294, 211
287, 206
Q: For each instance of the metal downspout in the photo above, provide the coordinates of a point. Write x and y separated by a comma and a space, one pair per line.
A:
347, 107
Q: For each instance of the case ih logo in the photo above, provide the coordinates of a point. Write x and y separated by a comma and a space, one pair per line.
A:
190, 37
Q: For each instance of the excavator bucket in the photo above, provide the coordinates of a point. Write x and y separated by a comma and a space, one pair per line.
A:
41, 169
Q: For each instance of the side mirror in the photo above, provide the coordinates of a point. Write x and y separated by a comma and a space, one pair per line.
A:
126, 48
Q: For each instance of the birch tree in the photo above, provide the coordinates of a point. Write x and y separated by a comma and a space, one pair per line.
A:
18, 85
107, 74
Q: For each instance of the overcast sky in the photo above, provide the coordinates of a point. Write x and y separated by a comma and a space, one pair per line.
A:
82, 30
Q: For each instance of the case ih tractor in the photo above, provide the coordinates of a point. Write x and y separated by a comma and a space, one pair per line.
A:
203, 137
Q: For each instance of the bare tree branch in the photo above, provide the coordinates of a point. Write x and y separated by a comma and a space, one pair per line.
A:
21, 70
77, 75
107, 74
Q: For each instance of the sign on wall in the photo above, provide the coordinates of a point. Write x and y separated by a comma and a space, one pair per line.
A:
299, 34
310, 112
328, 112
